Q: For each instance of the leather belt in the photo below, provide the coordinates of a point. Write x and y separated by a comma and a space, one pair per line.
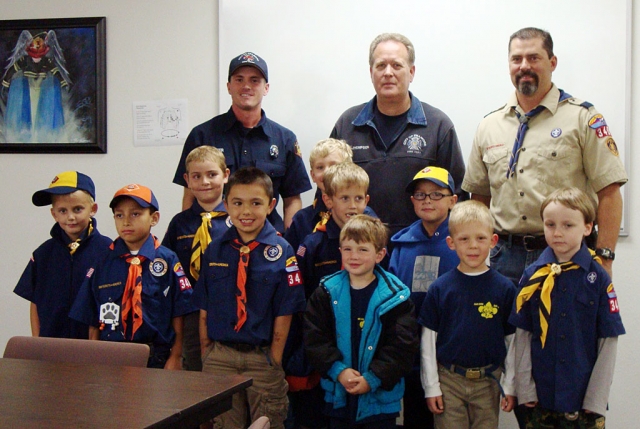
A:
472, 373
240, 347
529, 242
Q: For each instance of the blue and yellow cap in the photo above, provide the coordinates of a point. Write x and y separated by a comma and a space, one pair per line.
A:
140, 194
64, 183
437, 175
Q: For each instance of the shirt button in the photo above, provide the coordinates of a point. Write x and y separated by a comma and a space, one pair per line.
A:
524, 218
553, 154
524, 149
563, 314
562, 361
335, 302
562, 337
564, 289
521, 171
591, 302
521, 194
370, 347
246, 152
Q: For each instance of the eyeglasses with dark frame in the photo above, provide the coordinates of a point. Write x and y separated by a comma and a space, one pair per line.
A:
433, 196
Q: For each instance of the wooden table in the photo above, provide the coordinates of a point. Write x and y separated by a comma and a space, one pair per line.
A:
59, 395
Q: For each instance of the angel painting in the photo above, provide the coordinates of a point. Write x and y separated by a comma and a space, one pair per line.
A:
35, 88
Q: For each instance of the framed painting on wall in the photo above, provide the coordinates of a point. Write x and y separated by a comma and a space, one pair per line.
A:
53, 89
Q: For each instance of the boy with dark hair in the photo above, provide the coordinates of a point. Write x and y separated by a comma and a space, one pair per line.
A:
360, 332
190, 231
248, 290
57, 268
139, 292
568, 322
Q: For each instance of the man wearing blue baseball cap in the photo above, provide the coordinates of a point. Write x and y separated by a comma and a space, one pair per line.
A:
248, 138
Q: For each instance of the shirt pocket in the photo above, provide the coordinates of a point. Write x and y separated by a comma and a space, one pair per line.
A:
587, 306
497, 161
272, 169
556, 162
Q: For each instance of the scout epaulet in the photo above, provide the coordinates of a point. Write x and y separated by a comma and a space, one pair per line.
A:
494, 111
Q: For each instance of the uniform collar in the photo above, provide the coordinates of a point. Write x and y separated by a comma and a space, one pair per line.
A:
230, 121
415, 115
148, 249
582, 258
550, 101
197, 208
268, 235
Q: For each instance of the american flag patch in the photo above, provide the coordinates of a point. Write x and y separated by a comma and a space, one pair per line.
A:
301, 251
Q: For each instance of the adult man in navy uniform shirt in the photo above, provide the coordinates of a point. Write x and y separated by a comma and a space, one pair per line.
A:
394, 134
248, 138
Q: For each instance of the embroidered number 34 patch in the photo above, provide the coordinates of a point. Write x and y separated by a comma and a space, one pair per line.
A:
613, 300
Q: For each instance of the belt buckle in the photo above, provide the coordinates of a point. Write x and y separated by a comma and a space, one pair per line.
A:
525, 242
473, 373
572, 416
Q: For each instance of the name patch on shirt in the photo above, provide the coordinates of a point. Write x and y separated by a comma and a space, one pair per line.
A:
104, 286
218, 264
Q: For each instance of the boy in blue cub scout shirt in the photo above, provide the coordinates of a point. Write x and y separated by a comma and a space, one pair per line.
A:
420, 255
465, 328
191, 231
248, 290
568, 322
57, 268
139, 292
360, 332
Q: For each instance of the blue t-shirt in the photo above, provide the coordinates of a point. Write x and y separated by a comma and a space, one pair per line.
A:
470, 315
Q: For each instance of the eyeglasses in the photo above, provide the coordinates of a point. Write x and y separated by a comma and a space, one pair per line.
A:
433, 196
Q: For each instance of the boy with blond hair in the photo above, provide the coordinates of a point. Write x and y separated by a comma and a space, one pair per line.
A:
248, 290
324, 154
190, 232
568, 322
360, 332
57, 268
465, 326
420, 255
139, 292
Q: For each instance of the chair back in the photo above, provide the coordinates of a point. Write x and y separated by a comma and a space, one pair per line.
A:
261, 423
77, 351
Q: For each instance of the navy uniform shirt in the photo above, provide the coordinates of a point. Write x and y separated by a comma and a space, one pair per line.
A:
274, 287
470, 315
584, 308
427, 139
268, 146
53, 277
306, 219
166, 293
183, 227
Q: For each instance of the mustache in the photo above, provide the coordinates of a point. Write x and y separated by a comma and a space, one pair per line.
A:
529, 73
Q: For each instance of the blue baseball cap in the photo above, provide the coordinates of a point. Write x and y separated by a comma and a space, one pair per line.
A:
248, 59
64, 183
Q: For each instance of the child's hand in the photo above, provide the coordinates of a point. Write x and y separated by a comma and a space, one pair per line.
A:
346, 378
360, 386
173, 363
531, 404
508, 403
436, 404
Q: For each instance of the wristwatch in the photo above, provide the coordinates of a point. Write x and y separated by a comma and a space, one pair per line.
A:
606, 253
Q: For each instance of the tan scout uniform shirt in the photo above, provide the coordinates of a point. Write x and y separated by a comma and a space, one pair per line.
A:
566, 145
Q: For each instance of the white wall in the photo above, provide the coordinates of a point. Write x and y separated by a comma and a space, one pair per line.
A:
140, 33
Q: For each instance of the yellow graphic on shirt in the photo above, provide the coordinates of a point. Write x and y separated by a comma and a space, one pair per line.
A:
487, 310
361, 322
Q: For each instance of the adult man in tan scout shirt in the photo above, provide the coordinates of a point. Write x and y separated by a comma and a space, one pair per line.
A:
541, 140
565, 142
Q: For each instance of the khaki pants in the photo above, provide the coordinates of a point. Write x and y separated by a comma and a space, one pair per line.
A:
266, 397
468, 403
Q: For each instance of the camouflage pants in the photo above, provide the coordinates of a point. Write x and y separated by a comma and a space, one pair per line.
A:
539, 418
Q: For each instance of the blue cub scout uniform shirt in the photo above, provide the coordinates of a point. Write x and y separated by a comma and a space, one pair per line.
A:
53, 277
166, 293
470, 315
274, 287
268, 146
182, 229
584, 308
